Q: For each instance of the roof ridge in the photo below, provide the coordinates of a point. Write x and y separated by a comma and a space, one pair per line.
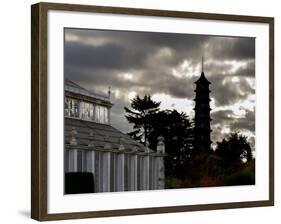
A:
74, 83
91, 92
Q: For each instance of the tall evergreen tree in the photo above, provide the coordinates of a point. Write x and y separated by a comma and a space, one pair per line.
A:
177, 131
140, 115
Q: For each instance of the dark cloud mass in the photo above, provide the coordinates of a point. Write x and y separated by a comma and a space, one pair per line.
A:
224, 48
110, 56
166, 65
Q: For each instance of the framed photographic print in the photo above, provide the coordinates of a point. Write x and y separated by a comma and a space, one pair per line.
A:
138, 111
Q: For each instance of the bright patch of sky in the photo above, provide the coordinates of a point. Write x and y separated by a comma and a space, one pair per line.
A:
171, 103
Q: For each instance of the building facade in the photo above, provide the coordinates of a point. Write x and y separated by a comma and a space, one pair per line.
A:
92, 145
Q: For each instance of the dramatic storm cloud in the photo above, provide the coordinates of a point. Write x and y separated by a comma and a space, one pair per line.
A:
165, 66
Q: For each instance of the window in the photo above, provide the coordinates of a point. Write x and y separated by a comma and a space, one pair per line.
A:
97, 113
105, 115
101, 114
74, 108
71, 107
86, 111
66, 106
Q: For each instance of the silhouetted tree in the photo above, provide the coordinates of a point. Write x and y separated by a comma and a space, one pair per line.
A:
235, 150
140, 116
176, 129
150, 123
231, 164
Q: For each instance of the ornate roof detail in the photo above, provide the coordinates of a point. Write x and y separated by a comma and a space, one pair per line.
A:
147, 146
107, 144
91, 138
121, 145
160, 145
73, 140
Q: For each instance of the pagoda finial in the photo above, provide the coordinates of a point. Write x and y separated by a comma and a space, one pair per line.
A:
202, 64
109, 91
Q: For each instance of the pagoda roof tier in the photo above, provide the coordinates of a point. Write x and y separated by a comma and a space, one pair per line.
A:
202, 98
202, 80
202, 90
202, 108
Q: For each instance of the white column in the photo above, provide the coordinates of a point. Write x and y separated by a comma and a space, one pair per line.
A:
160, 163
160, 172
114, 178
120, 172
72, 160
91, 161
146, 164
144, 175
140, 172
84, 161
100, 171
105, 172
153, 173
133, 181
73, 153
97, 170
92, 167
156, 172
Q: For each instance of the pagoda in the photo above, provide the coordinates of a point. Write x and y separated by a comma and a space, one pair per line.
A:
202, 119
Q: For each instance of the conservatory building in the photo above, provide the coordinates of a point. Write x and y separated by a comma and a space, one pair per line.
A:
93, 148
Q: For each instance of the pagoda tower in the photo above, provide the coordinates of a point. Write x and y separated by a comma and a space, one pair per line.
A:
202, 119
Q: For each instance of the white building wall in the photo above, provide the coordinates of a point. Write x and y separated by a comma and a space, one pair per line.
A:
143, 171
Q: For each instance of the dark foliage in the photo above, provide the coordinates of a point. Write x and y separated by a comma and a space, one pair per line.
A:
150, 123
140, 116
176, 129
232, 163
235, 150
245, 176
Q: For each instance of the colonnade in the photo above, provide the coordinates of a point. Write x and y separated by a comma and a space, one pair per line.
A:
118, 169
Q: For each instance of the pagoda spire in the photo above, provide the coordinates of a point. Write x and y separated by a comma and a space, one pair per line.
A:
202, 119
202, 65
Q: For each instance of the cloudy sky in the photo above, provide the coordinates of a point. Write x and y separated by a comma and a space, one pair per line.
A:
165, 66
